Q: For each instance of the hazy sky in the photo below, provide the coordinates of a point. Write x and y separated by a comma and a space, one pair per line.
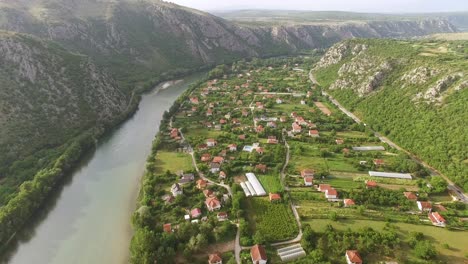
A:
386, 6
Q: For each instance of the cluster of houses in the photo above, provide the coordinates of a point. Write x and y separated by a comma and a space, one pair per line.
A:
299, 123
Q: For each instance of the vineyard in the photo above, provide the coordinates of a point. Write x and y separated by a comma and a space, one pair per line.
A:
274, 221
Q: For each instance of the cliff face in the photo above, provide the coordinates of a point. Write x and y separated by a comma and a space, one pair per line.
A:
47, 95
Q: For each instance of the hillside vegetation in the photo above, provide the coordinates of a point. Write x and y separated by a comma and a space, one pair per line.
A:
415, 92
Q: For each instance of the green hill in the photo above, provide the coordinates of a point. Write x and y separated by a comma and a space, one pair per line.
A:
415, 92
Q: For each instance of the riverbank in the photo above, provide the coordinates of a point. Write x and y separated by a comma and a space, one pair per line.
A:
56, 238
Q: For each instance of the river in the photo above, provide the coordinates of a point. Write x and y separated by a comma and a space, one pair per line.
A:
87, 220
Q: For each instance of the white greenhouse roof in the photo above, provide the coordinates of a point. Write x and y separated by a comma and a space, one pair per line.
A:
390, 175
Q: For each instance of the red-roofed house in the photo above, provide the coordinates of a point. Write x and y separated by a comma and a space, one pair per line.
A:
215, 259
348, 202
205, 157
424, 206
201, 184
259, 151
272, 140
307, 173
241, 137
208, 193
410, 196
218, 159
258, 255
296, 128
259, 129
274, 197
331, 194
314, 133
167, 228
308, 181
261, 167
194, 100
324, 187
222, 216
371, 184
436, 219
196, 213
212, 203
352, 257
379, 162
222, 175
232, 147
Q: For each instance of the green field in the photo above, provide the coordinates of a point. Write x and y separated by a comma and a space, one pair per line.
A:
457, 241
172, 161
271, 183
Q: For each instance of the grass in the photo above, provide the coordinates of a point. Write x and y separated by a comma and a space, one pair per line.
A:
456, 240
172, 161
203, 132
271, 183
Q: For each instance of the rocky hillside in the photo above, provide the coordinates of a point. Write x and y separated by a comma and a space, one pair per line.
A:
413, 91
136, 39
47, 96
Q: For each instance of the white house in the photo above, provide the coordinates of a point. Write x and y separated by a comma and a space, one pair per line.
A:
258, 254
331, 193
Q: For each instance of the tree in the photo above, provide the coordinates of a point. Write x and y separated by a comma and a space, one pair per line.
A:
425, 250
438, 184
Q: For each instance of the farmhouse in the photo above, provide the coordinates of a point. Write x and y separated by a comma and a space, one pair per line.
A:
187, 178
307, 173
212, 203
218, 159
272, 140
194, 100
214, 167
222, 175
339, 141
232, 147
324, 187
261, 167
211, 142
308, 181
196, 213
379, 162
167, 228
205, 157
436, 219
260, 151
410, 196
258, 255
314, 133
352, 257
390, 175
208, 193
331, 194
201, 184
202, 147
222, 216
348, 202
274, 197
259, 129
241, 137
296, 128
215, 259
424, 206
176, 189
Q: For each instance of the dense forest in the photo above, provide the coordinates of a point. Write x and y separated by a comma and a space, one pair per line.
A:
414, 92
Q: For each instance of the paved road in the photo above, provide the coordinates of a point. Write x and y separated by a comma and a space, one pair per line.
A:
433, 172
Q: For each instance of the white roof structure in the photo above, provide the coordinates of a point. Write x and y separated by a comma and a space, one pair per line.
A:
246, 190
390, 175
253, 181
368, 148
250, 188
291, 252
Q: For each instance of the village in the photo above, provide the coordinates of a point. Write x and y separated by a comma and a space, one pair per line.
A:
258, 159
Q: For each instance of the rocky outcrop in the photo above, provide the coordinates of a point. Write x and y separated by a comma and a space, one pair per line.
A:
418, 76
436, 92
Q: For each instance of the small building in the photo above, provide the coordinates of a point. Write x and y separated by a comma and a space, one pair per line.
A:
259, 129
176, 190
202, 147
308, 181
379, 162
339, 141
232, 147
353, 257
314, 133
218, 159
194, 100
222, 175
274, 197
245, 113
348, 202
187, 217
271, 124
205, 157
201, 184
215, 258
307, 173
283, 119
258, 254
208, 193
167, 228
437, 219
209, 112
371, 184
186, 178
331, 194
222, 121
215, 167
212, 203
324, 187
296, 128
410, 196
272, 140
261, 167
195, 213
424, 206
211, 142
241, 137
259, 151
279, 101
222, 216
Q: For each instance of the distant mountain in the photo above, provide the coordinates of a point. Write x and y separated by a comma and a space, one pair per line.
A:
72, 65
415, 92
